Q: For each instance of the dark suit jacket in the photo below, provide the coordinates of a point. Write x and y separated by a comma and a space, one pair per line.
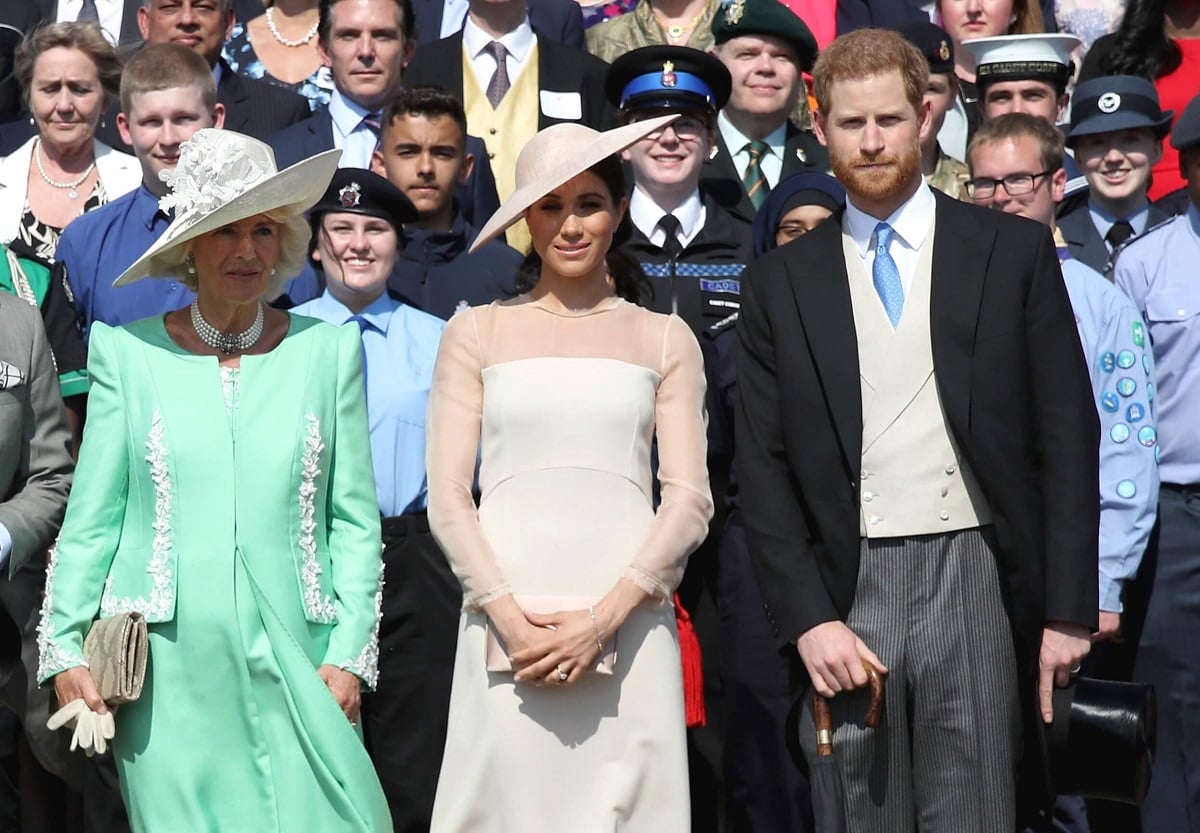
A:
1017, 397
253, 107
561, 20
722, 179
1084, 240
561, 68
477, 197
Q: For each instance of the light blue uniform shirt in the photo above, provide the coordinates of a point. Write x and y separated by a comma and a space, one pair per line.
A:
401, 345
1122, 371
1160, 272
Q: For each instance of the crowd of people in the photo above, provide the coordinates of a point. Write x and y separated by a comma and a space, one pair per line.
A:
516, 414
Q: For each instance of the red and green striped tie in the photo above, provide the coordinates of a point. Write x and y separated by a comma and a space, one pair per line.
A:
753, 179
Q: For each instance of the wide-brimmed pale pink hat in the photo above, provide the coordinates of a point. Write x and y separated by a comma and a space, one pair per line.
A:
223, 177
556, 155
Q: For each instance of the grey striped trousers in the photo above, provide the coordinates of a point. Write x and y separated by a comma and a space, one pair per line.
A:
944, 758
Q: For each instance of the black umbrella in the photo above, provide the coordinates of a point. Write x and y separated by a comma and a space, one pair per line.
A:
828, 794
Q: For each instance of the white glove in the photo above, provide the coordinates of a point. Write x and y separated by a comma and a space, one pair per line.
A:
92, 731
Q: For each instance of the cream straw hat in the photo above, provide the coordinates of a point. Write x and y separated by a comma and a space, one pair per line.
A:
223, 177
554, 156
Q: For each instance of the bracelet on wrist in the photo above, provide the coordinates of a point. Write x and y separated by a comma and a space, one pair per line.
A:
596, 627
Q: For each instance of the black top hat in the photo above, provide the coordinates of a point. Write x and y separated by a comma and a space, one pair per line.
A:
1101, 743
667, 77
1116, 102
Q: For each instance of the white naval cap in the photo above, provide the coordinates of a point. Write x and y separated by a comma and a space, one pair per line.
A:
1039, 57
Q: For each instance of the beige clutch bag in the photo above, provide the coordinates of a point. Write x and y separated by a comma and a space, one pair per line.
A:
497, 654
116, 650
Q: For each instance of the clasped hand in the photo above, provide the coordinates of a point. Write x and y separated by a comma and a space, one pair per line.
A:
546, 645
1064, 646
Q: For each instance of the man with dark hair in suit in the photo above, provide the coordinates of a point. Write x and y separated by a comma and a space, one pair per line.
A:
253, 107
916, 441
368, 44
766, 48
519, 81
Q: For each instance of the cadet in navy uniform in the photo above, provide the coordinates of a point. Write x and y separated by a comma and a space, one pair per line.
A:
1117, 131
1158, 271
356, 241
692, 250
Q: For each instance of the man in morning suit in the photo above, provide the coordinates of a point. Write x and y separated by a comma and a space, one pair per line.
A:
1117, 131
917, 465
766, 48
253, 107
534, 83
367, 44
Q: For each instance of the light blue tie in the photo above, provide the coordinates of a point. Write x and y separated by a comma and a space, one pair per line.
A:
363, 326
886, 276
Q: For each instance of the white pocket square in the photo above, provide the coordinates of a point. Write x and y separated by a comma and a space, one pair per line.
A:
10, 375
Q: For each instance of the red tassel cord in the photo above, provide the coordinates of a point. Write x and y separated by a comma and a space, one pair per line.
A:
693, 668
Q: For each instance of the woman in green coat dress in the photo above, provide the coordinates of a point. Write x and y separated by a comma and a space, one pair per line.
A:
225, 491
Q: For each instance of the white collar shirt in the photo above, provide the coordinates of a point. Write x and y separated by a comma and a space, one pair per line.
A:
645, 214
519, 43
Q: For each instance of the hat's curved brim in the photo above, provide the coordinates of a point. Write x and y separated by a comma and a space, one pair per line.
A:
1110, 123
292, 191
564, 164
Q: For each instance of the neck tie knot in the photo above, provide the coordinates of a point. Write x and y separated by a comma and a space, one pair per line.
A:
753, 179
883, 236
672, 248
89, 13
499, 84
1121, 231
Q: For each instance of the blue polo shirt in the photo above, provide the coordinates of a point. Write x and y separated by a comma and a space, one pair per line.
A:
401, 345
98, 246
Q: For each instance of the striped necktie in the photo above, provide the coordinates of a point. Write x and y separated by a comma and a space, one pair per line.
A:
752, 178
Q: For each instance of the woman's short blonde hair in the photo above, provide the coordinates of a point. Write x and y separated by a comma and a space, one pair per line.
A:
175, 262
87, 38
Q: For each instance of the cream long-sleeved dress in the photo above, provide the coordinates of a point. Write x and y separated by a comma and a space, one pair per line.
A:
564, 410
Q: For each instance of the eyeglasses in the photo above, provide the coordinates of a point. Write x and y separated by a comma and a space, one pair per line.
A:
1016, 185
687, 128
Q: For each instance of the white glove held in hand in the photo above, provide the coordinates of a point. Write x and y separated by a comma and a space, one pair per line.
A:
92, 731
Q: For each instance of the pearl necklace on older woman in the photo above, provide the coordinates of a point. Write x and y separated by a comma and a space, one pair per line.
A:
73, 193
227, 343
275, 33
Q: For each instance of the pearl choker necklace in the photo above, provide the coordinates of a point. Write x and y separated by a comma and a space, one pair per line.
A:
227, 343
73, 193
288, 41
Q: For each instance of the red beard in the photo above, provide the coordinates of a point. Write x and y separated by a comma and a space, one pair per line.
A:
875, 184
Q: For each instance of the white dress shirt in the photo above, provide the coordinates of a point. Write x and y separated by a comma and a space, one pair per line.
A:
645, 214
519, 43
771, 163
911, 223
354, 139
454, 13
110, 11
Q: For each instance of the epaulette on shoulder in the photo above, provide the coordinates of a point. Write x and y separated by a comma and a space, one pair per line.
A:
714, 330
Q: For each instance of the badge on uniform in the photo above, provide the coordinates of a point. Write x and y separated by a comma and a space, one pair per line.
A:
668, 74
350, 195
944, 51
735, 11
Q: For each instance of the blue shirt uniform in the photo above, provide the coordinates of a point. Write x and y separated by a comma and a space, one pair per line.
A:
1121, 364
1158, 272
400, 344
98, 246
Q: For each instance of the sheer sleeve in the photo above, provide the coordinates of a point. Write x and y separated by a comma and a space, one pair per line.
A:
453, 425
681, 522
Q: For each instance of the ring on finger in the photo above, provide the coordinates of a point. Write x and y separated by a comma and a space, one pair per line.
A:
562, 675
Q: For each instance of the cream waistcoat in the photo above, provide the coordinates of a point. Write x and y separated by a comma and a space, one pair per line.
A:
914, 479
